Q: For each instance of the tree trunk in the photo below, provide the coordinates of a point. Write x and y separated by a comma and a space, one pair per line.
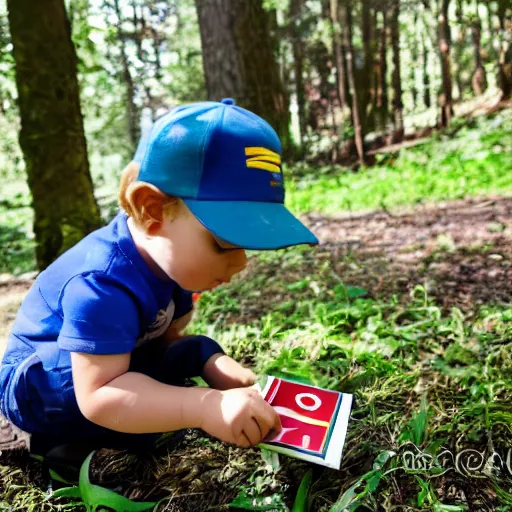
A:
52, 136
339, 55
479, 79
397, 80
131, 109
425, 56
446, 72
381, 108
346, 21
238, 60
505, 55
459, 48
295, 14
366, 80
414, 58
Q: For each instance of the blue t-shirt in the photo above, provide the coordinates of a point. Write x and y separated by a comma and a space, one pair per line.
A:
99, 297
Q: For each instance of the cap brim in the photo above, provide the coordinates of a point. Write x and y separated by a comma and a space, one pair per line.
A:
250, 224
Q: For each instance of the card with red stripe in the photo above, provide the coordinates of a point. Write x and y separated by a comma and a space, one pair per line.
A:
314, 420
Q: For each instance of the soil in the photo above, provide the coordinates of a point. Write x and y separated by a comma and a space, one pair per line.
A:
460, 251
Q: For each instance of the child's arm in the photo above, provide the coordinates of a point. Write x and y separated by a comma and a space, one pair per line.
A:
113, 397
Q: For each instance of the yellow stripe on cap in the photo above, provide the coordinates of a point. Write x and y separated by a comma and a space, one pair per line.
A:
272, 159
266, 166
256, 151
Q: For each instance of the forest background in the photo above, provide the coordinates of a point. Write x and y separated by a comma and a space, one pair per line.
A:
396, 125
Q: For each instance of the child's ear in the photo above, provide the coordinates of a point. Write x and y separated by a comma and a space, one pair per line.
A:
149, 202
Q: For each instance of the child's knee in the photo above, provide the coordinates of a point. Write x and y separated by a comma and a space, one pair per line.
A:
201, 348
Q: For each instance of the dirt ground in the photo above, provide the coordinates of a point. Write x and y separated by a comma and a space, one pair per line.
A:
461, 251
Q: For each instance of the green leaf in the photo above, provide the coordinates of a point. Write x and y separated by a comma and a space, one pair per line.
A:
383, 458
440, 507
55, 476
346, 499
423, 494
301, 500
353, 292
246, 502
95, 496
67, 492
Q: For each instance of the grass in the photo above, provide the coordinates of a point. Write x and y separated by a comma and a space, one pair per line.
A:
423, 379
426, 382
478, 161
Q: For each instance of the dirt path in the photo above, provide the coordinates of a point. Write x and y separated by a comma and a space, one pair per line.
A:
460, 250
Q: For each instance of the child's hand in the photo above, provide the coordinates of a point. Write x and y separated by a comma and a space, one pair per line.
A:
239, 416
223, 372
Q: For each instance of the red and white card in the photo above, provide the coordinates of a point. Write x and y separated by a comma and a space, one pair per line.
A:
314, 420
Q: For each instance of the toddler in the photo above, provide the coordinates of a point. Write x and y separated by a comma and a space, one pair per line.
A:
96, 354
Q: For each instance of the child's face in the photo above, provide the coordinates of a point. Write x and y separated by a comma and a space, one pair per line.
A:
188, 253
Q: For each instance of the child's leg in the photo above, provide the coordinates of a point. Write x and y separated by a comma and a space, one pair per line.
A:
192, 356
174, 364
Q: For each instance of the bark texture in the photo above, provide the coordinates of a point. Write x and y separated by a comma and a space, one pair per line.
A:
52, 136
239, 62
446, 64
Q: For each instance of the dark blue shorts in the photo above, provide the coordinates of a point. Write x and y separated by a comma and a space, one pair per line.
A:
44, 404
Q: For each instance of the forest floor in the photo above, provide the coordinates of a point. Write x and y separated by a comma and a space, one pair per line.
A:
458, 252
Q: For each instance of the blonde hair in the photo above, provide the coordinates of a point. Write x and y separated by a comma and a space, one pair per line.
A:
129, 199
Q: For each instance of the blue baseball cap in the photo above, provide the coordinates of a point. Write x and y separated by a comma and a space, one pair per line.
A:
224, 162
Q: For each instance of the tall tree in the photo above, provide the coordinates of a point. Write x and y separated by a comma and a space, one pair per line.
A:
446, 65
339, 54
459, 46
414, 59
52, 136
238, 60
295, 23
131, 108
381, 104
365, 81
505, 55
425, 73
479, 79
425, 36
346, 22
398, 105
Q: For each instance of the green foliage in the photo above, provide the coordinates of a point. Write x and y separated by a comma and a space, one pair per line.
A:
258, 494
94, 496
428, 497
301, 500
391, 354
416, 429
351, 500
246, 502
477, 161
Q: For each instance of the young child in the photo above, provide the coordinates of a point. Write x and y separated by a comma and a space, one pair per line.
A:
96, 353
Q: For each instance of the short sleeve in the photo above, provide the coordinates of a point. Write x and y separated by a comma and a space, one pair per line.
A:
182, 301
99, 316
